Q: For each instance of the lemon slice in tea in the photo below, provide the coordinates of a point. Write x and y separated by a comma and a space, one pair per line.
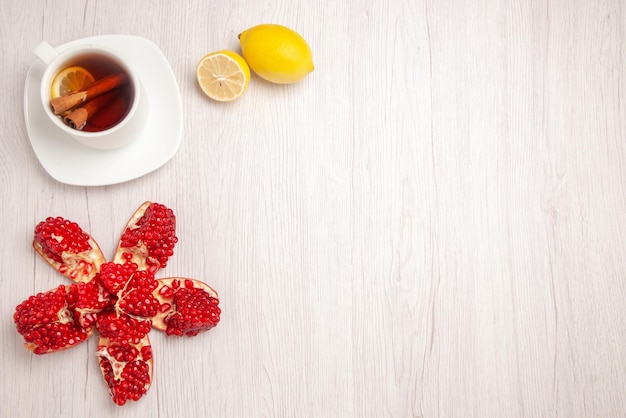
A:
70, 80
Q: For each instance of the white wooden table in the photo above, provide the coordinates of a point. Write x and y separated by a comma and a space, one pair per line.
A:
432, 224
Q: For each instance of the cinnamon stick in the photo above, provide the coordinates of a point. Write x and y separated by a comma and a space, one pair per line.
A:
104, 85
78, 117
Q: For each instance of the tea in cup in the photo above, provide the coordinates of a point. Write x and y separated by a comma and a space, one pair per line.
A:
108, 110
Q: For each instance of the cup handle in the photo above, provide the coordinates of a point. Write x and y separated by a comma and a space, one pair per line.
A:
45, 52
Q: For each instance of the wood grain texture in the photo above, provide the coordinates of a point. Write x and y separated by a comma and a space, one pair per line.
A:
429, 225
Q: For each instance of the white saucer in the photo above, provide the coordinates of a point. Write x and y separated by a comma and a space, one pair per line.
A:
72, 163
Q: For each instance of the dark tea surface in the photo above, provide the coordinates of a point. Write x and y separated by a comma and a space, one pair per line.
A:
109, 104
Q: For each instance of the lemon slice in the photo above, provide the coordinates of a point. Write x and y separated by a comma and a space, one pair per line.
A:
223, 75
70, 80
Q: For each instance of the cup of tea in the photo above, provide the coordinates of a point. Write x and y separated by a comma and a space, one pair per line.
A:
110, 108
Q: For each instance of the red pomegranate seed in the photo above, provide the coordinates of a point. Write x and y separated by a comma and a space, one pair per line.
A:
167, 292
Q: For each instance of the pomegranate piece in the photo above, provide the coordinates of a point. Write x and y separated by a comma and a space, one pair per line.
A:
67, 248
48, 321
149, 237
188, 306
126, 367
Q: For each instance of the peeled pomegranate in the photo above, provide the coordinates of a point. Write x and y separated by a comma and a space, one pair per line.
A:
121, 299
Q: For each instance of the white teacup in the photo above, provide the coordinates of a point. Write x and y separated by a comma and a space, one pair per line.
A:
128, 127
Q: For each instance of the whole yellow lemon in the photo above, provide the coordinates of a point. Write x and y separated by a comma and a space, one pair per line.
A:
276, 53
